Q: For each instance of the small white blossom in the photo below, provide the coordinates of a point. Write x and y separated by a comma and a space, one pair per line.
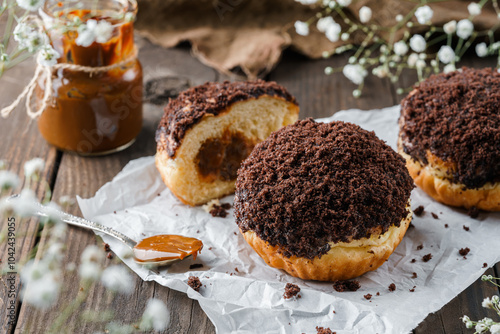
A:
156, 316
344, 3
399, 18
446, 54
485, 278
29, 37
34, 167
365, 14
54, 252
40, 284
333, 32
495, 300
482, 49
356, 93
103, 31
302, 28
355, 73
324, 22
59, 231
474, 9
3, 165
424, 14
8, 180
464, 28
117, 278
380, 71
6, 209
25, 204
449, 68
481, 328
495, 329
400, 48
93, 31
412, 59
450, 27
47, 56
307, 2
66, 200
345, 36
487, 303
91, 259
31, 5
54, 214
328, 70
417, 43
4, 57
420, 64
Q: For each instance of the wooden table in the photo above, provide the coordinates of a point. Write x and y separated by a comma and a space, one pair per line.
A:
68, 174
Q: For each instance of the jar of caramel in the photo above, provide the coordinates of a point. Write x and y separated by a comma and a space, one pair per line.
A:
94, 106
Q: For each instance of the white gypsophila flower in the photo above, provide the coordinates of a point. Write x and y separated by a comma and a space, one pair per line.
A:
355, 73
344, 3
449, 68
59, 230
155, 316
446, 54
91, 260
5, 58
6, 208
54, 214
31, 5
324, 22
495, 329
365, 14
487, 321
333, 32
495, 300
25, 204
117, 278
328, 70
450, 27
481, 328
482, 49
47, 56
92, 253
485, 278
3, 165
307, 2
424, 14
399, 18
380, 71
412, 59
34, 167
103, 31
301, 28
29, 37
487, 303
66, 200
464, 28
345, 36
87, 33
417, 43
420, 64
8, 180
400, 48
41, 285
54, 252
474, 9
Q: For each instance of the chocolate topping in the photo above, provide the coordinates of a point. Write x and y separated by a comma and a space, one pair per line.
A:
211, 98
456, 116
311, 183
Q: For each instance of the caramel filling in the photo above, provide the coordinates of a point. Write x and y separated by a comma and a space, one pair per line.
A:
166, 247
220, 158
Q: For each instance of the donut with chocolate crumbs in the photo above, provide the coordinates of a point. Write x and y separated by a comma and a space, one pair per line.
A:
323, 201
209, 129
450, 137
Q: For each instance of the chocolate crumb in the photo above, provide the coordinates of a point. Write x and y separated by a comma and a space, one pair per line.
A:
435, 216
218, 211
412, 289
446, 225
485, 265
368, 296
419, 211
226, 206
473, 212
114, 212
341, 286
392, 287
158, 194
236, 269
235, 233
466, 228
196, 266
413, 260
427, 257
378, 293
106, 247
209, 248
464, 251
419, 247
414, 275
324, 330
291, 290
194, 283
110, 256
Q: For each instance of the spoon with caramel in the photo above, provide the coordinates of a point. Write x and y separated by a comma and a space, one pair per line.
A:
155, 251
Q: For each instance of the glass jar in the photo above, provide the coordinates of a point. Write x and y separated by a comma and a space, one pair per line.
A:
95, 107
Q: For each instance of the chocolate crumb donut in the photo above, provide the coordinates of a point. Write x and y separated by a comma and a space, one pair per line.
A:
323, 201
450, 137
208, 130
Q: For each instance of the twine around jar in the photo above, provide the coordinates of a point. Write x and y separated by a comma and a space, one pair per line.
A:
47, 70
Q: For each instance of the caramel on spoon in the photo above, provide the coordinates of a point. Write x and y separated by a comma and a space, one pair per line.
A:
158, 250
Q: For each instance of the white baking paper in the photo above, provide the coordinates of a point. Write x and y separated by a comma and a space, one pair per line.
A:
241, 294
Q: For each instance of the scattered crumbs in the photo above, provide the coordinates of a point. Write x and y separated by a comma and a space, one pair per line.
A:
427, 257
196, 266
236, 269
473, 212
110, 256
226, 206
392, 287
414, 275
216, 209
435, 216
158, 194
413, 289
445, 225
177, 215
194, 283
464, 251
419, 247
485, 265
334, 312
324, 330
378, 293
235, 233
114, 212
419, 210
466, 228
198, 231
291, 290
143, 234
209, 248
106, 247
368, 296
341, 286
413, 260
